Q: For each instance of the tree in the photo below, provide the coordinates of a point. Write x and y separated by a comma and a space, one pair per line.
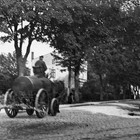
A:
8, 71
106, 36
8, 65
116, 56
70, 38
20, 20
109, 34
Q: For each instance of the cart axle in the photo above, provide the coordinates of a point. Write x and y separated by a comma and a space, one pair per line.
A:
18, 106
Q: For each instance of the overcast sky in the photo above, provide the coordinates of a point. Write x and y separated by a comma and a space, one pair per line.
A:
37, 47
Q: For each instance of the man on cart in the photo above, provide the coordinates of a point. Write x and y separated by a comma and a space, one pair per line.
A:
41, 65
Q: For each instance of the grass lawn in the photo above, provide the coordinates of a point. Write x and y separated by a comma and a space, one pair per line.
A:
131, 101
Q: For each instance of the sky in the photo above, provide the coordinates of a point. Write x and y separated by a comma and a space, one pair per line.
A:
37, 47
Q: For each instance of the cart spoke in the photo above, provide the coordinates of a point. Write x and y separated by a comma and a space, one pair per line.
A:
9, 100
41, 103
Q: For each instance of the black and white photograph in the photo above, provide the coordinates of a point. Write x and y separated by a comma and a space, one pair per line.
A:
69, 69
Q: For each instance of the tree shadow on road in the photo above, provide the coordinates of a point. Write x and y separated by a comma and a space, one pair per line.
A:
132, 111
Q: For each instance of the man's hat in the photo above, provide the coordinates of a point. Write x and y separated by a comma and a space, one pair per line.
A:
41, 56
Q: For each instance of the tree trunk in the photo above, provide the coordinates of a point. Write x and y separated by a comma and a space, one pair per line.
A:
18, 43
116, 90
69, 82
21, 66
76, 81
102, 88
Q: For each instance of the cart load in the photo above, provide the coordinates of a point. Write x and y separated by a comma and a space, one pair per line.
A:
33, 93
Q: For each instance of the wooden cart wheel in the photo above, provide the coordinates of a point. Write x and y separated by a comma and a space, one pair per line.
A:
9, 100
54, 107
30, 112
41, 103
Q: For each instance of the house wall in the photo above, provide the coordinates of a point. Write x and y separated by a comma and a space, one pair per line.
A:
58, 72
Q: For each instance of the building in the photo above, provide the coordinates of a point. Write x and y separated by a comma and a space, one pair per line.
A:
58, 72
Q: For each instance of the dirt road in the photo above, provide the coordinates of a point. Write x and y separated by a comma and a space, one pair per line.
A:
74, 123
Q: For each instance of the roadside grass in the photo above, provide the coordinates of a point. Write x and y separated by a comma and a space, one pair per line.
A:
131, 101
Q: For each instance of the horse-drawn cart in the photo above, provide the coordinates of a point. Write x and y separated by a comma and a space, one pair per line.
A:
33, 94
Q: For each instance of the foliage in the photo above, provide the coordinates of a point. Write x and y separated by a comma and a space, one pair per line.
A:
73, 39
8, 65
68, 37
124, 57
20, 20
91, 90
5, 83
8, 71
103, 32
116, 57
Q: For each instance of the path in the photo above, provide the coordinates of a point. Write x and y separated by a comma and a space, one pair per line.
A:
89, 122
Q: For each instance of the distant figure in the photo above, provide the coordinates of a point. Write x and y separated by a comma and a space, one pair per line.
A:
71, 97
41, 64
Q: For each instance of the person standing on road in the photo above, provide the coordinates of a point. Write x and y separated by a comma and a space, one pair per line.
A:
40, 63
71, 97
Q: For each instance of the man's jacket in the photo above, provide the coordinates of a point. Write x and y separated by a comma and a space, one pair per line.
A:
41, 64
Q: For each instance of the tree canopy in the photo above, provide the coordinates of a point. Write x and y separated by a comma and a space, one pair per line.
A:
21, 21
116, 57
104, 32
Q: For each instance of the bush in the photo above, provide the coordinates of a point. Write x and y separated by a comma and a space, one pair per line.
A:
90, 91
5, 83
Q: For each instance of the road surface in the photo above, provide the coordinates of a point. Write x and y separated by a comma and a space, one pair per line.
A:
108, 121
